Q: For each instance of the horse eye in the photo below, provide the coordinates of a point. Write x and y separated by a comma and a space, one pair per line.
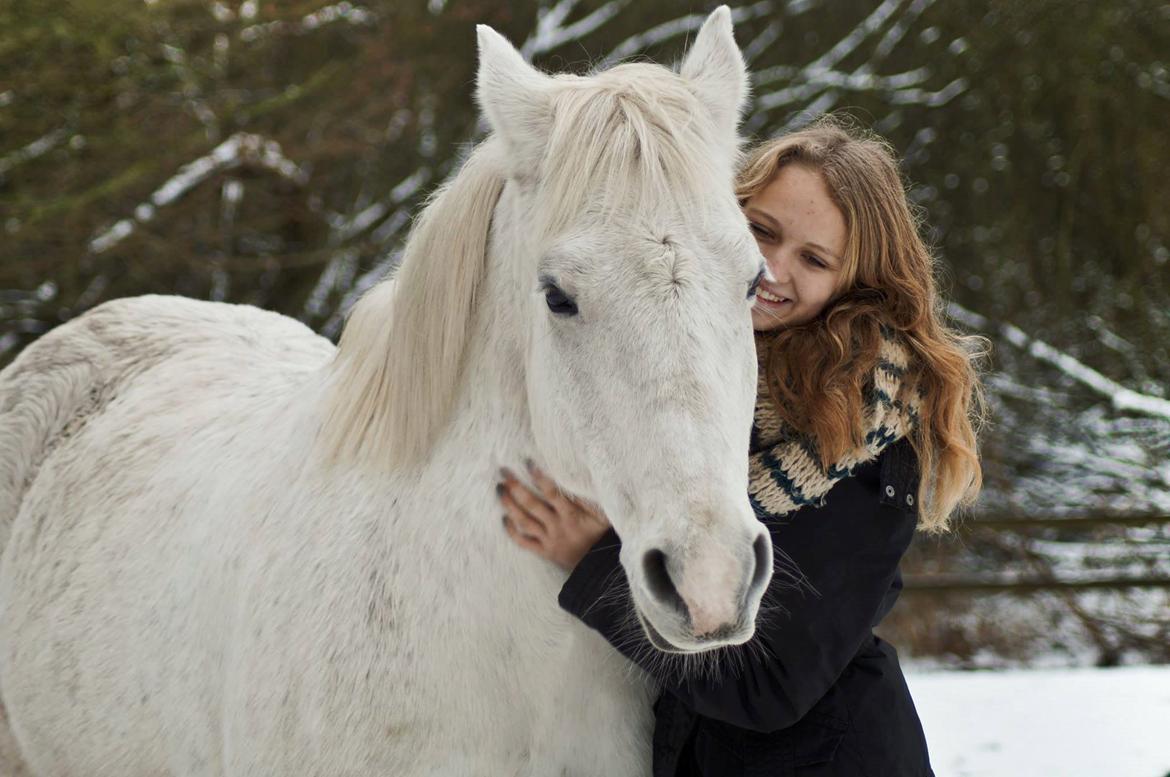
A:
558, 302
755, 285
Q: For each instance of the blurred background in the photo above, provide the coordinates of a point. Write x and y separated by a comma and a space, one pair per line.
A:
273, 153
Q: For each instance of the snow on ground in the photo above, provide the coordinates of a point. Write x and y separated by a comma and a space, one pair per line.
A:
1046, 722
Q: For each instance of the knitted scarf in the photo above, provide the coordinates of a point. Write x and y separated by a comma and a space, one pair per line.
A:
786, 472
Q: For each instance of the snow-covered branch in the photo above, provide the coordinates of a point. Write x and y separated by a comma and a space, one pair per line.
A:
900, 27
759, 44
393, 213
192, 90
37, 148
338, 12
806, 83
240, 149
551, 31
19, 308
927, 98
683, 25
346, 227
837, 78
817, 84
1121, 398
855, 37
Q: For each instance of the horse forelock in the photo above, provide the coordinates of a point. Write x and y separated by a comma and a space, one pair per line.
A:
634, 138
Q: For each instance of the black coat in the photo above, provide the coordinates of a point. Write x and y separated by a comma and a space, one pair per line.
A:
829, 699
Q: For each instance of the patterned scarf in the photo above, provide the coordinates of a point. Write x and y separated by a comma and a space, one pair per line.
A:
786, 472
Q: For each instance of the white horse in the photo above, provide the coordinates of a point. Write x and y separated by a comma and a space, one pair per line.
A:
231, 549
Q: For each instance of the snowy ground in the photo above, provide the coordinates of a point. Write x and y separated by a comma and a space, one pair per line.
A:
1047, 722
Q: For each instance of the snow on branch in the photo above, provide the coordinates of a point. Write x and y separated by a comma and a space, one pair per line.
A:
900, 27
930, 99
550, 31
682, 26
346, 227
338, 12
762, 42
339, 273
38, 147
818, 82
1121, 398
855, 37
240, 149
837, 78
809, 82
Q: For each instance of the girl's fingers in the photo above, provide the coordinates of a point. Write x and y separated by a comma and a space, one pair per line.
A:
522, 519
564, 505
532, 504
550, 490
524, 541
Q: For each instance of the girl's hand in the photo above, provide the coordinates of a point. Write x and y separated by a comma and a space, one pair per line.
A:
552, 525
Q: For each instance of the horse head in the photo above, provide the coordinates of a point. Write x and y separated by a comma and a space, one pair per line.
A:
639, 274
605, 204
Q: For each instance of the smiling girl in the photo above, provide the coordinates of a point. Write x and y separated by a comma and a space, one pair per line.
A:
864, 430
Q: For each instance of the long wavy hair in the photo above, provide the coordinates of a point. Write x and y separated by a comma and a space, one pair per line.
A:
817, 372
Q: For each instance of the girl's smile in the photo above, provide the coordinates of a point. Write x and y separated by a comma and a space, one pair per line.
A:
801, 233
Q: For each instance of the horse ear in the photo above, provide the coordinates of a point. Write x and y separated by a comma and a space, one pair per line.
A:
716, 70
513, 95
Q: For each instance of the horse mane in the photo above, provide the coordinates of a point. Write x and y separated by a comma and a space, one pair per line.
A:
622, 140
398, 361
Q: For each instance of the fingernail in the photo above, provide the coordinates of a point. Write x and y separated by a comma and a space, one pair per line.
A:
504, 519
505, 473
530, 464
500, 489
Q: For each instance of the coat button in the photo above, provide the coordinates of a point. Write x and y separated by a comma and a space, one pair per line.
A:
910, 499
889, 491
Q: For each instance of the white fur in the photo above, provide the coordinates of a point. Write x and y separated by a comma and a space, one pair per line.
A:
228, 549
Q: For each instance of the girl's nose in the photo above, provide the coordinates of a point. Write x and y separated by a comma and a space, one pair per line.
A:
780, 267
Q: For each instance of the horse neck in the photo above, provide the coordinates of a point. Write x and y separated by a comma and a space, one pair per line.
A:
491, 413
490, 426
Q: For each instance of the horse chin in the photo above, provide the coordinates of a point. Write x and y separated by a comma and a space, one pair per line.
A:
664, 645
660, 642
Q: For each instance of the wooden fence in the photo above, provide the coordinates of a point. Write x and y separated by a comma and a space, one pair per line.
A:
1027, 573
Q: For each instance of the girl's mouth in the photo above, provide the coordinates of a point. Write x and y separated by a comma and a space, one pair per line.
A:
770, 298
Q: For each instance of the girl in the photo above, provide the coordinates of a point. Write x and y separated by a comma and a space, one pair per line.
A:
864, 427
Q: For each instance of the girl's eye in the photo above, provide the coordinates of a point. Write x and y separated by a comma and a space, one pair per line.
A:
755, 284
758, 230
558, 301
815, 261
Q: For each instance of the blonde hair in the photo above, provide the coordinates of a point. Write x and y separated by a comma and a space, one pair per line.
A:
817, 371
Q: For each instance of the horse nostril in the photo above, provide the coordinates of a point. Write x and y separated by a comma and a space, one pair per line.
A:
659, 582
762, 551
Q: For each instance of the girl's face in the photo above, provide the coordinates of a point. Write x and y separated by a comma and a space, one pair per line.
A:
801, 234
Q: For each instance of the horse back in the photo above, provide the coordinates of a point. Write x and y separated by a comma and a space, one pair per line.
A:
66, 378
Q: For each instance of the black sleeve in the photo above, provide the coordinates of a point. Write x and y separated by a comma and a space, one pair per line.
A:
847, 551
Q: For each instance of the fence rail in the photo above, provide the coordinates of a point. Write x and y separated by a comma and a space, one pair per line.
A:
978, 584
1079, 522
1031, 579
